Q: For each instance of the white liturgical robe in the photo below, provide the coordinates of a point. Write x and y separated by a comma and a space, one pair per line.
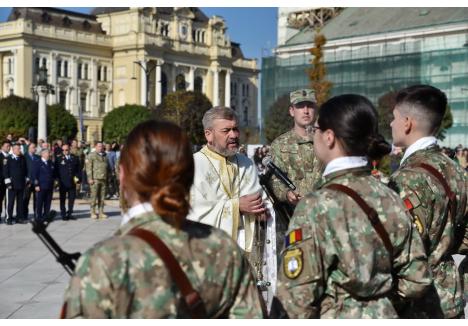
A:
218, 184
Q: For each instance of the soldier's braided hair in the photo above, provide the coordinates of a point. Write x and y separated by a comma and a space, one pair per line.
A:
158, 167
354, 121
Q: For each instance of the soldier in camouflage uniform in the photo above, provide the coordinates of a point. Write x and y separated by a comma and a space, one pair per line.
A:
123, 277
337, 263
97, 169
418, 114
293, 151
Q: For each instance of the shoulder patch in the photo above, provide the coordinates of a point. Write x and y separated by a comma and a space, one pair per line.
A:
293, 263
412, 201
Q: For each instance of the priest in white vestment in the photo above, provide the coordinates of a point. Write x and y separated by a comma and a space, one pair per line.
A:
226, 193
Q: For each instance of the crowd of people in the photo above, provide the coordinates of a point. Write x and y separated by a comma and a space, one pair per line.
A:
31, 171
211, 235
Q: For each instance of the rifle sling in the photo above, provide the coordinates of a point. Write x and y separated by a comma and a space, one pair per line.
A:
191, 297
370, 212
452, 204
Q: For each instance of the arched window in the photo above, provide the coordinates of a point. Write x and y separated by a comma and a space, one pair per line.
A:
163, 85
44, 62
105, 74
180, 83
198, 84
59, 68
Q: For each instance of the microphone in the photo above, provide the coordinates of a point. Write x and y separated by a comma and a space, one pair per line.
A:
268, 162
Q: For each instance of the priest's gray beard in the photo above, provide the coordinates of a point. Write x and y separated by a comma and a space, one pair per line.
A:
223, 151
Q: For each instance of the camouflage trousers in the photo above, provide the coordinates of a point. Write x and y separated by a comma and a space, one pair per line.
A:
98, 193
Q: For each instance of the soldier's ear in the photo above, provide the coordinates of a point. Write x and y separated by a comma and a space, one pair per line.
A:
408, 125
291, 111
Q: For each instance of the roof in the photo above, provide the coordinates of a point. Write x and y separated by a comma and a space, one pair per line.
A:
57, 17
199, 15
369, 21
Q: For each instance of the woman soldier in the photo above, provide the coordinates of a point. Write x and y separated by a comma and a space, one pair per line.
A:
351, 248
199, 273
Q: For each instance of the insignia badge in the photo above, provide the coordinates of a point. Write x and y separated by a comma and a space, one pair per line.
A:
419, 225
304, 93
63, 162
292, 263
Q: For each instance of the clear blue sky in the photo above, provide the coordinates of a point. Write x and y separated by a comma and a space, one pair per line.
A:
254, 28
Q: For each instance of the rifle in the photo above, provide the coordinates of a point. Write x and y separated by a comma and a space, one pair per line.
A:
67, 260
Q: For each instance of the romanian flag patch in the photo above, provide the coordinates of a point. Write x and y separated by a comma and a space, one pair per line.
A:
293, 237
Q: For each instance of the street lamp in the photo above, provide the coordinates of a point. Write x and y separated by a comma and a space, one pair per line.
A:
147, 74
42, 89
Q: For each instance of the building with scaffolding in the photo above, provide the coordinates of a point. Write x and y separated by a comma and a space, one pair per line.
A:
372, 51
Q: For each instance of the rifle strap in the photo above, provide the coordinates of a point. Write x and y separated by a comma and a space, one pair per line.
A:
452, 203
191, 297
370, 212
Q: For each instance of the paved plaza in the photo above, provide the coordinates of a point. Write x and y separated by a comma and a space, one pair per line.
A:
32, 283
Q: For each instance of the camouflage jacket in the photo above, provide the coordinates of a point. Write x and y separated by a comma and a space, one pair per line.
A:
427, 201
96, 166
339, 267
122, 277
296, 157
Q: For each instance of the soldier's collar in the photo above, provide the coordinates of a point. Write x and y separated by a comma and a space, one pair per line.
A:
301, 140
420, 144
357, 171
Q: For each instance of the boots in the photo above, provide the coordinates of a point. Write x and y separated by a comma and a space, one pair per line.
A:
102, 216
93, 214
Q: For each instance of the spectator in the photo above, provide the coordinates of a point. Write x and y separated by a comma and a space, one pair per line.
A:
43, 174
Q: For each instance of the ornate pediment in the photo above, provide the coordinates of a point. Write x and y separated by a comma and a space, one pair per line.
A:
184, 12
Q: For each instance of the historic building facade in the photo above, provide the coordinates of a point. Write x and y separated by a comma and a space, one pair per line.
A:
118, 56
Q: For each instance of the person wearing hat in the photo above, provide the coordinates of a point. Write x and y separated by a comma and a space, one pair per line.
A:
293, 151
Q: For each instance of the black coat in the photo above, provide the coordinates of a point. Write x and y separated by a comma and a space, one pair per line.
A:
43, 174
3, 160
67, 170
15, 172
29, 163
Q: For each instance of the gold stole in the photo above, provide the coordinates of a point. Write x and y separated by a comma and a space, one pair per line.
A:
229, 177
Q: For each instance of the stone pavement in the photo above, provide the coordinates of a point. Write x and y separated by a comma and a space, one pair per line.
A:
32, 283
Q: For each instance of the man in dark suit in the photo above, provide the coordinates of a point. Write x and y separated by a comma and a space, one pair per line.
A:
67, 169
43, 173
30, 157
4, 153
15, 173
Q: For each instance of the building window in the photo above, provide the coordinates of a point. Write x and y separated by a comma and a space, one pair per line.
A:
102, 103
44, 62
37, 63
105, 74
163, 85
86, 71
198, 84
10, 66
83, 102
99, 73
59, 68
80, 66
180, 83
246, 116
65, 69
63, 98
247, 90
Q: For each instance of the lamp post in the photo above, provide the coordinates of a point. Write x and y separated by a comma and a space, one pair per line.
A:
42, 89
147, 76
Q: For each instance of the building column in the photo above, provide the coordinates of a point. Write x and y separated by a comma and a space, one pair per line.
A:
173, 77
102, 73
191, 79
215, 87
74, 98
143, 90
53, 77
1, 75
42, 91
157, 79
17, 77
227, 89
62, 68
94, 95
67, 100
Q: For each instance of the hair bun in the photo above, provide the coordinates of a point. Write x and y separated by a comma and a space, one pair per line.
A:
378, 147
170, 201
